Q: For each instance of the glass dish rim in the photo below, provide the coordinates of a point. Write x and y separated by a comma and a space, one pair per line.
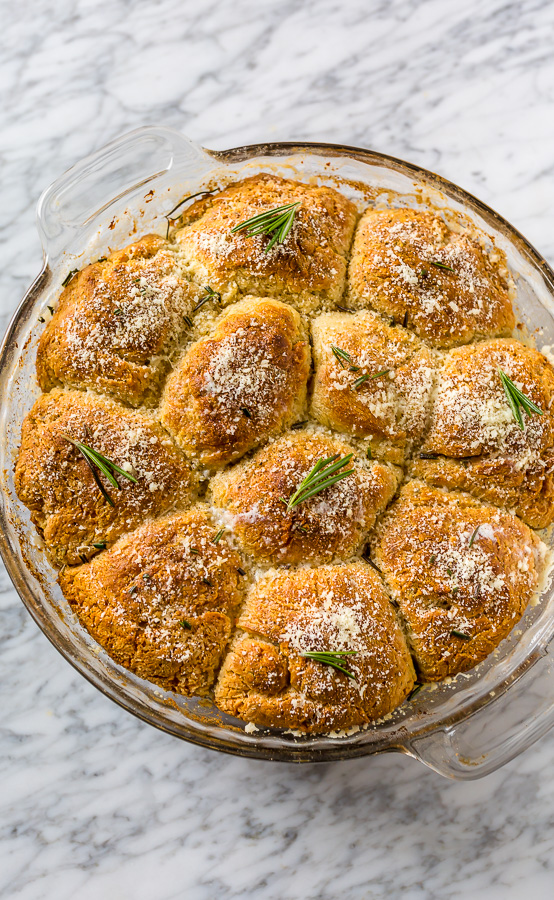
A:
17, 572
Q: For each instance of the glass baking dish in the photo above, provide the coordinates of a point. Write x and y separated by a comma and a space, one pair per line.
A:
463, 729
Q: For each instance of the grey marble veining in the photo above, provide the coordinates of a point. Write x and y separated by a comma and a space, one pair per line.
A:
94, 803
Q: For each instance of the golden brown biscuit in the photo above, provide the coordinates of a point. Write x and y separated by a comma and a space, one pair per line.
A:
461, 573
478, 444
408, 265
239, 385
265, 679
390, 406
117, 322
53, 479
307, 269
333, 524
162, 602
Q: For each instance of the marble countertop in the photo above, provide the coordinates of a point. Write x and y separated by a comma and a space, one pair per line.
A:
94, 803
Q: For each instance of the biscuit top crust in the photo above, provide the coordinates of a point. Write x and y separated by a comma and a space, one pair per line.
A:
163, 600
241, 384
472, 415
312, 257
475, 442
408, 265
455, 566
53, 479
113, 317
399, 373
265, 677
330, 525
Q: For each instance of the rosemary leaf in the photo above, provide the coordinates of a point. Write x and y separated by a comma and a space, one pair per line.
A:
473, 536
100, 545
367, 377
333, 658
415, 690
217, 537
299, 424
276, 222
99, 463
69, 276
439, 265
111, 465
324, 474
460, 634
94, 474
185, 624
517, 399
210, 295
344, 358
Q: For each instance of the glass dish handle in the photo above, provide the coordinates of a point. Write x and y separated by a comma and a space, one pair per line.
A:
497, 732
138, 158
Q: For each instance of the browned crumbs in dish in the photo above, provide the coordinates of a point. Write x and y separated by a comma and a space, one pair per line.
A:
290, 457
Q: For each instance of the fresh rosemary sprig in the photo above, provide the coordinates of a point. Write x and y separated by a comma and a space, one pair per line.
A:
99, 463
517, 399
323, 475
210, 295
344, 358
69, 276
333, 658
367, 377
415, 691
277, 222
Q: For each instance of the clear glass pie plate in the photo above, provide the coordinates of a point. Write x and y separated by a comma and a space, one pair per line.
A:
462, 729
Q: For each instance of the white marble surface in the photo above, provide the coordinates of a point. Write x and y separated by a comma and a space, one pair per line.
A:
93, 803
